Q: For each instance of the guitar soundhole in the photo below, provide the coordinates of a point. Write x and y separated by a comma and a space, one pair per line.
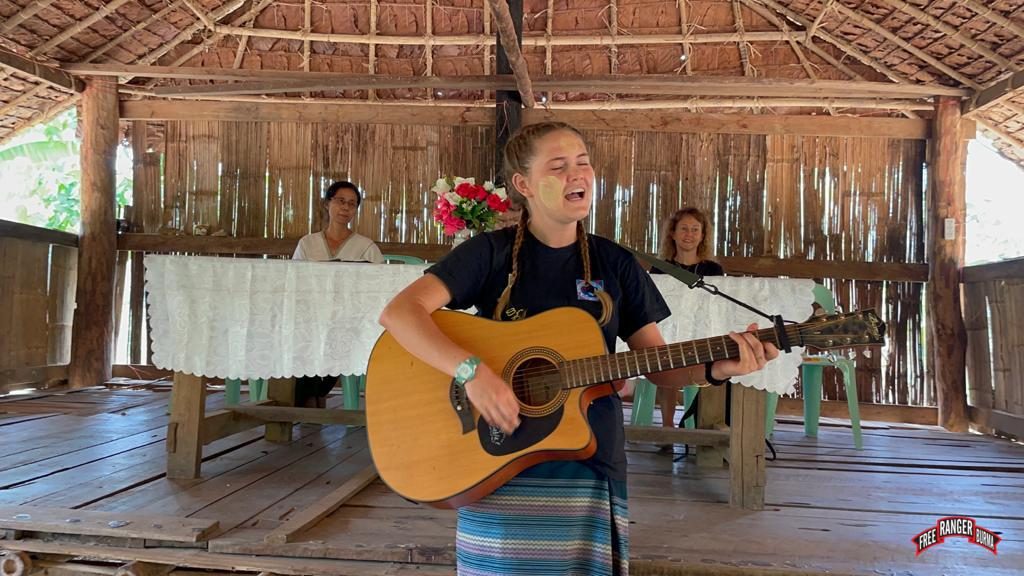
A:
536, 382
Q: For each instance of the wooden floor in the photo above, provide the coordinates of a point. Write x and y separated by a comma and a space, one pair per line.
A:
831, 509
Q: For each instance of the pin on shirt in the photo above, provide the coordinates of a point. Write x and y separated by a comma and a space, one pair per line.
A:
588, 290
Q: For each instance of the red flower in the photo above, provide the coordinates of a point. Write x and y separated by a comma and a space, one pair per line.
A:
466, 190
481, 194
495, 203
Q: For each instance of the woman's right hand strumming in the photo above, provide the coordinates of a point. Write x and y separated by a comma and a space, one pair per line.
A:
494, 399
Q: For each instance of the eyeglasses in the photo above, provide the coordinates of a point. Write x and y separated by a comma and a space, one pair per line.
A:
349, 203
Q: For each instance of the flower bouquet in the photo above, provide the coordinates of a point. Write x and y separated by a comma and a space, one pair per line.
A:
463, 206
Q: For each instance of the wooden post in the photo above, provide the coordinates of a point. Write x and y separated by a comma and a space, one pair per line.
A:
508, 111
282, 392
947, 337
97, 246
711, 415
184, 431
746, 448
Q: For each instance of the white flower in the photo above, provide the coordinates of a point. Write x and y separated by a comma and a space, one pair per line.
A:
441, 187
489, 186
461, 180
452, 197
500, 193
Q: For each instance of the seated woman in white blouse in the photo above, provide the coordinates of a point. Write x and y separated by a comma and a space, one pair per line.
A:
336, 242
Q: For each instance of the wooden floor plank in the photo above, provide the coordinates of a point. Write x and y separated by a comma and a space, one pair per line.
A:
90, 523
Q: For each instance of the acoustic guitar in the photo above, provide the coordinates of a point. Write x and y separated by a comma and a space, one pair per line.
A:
429, 444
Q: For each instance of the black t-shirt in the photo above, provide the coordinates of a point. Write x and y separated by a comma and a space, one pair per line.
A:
702, 268
476, 272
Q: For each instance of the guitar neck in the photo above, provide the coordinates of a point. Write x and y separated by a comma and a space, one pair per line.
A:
598, 369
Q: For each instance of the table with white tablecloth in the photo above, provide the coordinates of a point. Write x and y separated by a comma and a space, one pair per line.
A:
247, 318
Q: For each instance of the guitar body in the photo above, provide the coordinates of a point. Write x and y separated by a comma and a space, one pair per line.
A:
430, 445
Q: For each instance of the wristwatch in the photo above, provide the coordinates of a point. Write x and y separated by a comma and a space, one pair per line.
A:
466, 370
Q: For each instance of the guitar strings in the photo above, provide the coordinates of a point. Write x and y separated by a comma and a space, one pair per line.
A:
540, 379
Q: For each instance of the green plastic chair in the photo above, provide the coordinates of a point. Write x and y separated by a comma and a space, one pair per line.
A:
233, 391
810, 376
643, 403
402, 259
351, 388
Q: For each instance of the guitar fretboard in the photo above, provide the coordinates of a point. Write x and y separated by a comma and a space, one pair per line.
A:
597, 369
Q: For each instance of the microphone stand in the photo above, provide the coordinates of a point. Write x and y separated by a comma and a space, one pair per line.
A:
697, 281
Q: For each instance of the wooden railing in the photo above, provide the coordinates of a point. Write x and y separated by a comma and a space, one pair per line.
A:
994, 318
38, 276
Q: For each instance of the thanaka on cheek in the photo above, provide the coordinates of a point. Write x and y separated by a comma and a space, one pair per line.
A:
550, 192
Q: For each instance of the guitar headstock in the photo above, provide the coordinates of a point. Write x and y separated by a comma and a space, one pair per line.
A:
861, 328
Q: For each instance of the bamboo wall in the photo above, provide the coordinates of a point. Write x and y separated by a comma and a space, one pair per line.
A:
993, 313
825, 198
37, 293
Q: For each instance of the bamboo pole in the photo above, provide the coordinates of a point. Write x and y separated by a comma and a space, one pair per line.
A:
548, 24
482, 40
243, 44
30, 10
684, 28
952, 32
428, 42
100, 14
613, 31
203, 17
813, 28
372, 52
743, 47
307, 26
97, 246
843, 45
692, 103
158, 16
487, 33
510, 42
920, 54
1003, 134
994, 15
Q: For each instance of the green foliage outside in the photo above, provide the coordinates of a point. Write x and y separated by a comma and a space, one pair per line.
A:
40, 175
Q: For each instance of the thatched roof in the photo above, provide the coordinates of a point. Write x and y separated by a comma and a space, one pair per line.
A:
971, 44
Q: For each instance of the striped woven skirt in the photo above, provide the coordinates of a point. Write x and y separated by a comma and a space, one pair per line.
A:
554, 518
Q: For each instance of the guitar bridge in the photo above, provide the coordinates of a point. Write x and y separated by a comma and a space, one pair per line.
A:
460, 403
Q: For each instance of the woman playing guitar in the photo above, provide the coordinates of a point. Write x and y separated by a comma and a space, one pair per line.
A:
562, 517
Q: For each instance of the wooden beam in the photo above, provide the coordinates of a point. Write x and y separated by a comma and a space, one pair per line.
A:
806, 90
684, 27
51, 76
675, 121
746, 448
509, 37
799, 268
92, 329
952, 32
946, 333
1005, 270
304, 112
995, 93
663, 435
96, 523
10, 229
924, 415
224, 423
291, 528
296, 414
200, 14
1005, 422
32, 377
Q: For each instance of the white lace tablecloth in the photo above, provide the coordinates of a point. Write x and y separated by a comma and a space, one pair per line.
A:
252, 318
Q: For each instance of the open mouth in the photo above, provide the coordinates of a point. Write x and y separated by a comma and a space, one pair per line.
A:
576, 195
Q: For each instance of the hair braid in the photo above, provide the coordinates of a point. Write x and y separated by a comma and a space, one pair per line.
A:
606, 301
506, 294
